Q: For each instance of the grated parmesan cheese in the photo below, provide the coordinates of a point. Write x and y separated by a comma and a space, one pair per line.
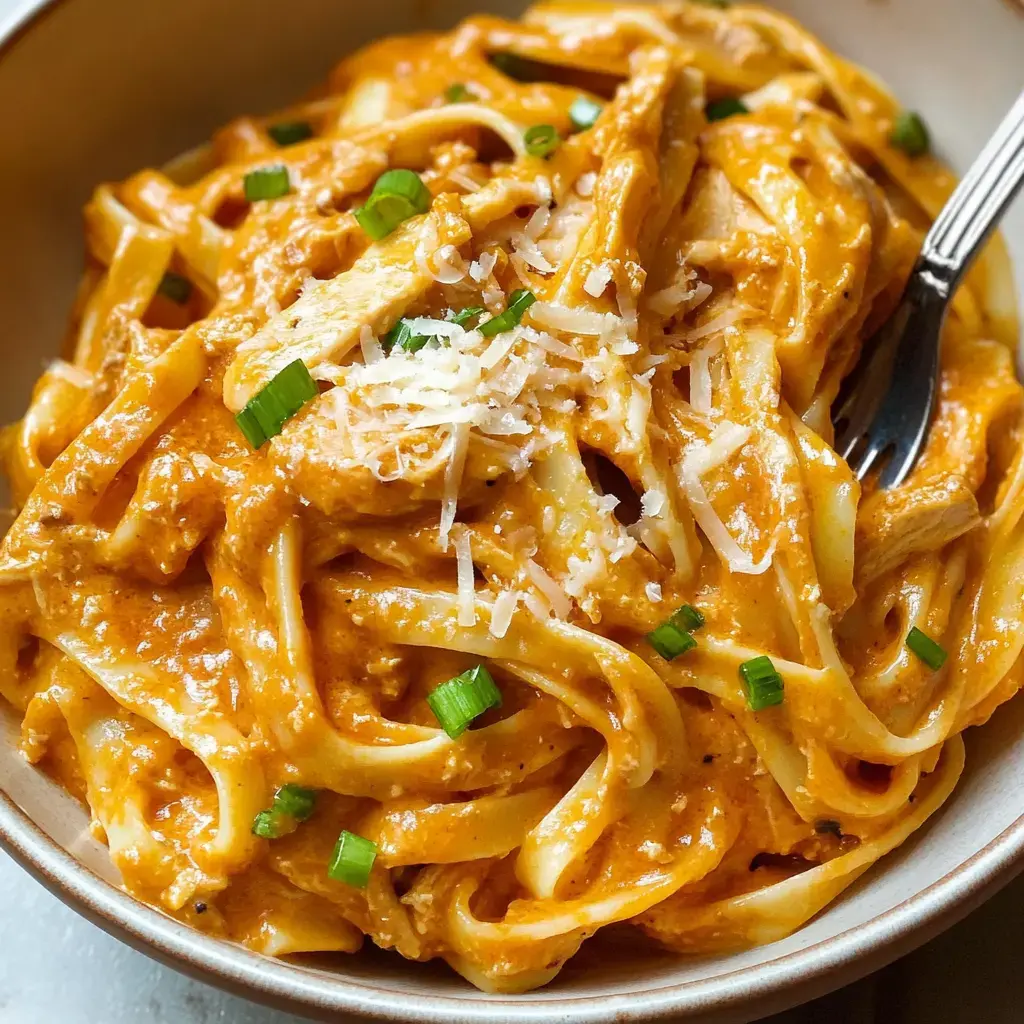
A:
459, 444
554, 594
502, 610
538, 223
685, 291
537, 606
450, 266
481, 269
727, 439
653, 591
700, 377
463, 180
652, 503
496, 391
597, 280
464, 567
435, 328
369, 345
526, 249
731, 316
575, 321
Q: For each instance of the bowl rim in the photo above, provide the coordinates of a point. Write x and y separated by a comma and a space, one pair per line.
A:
792, 978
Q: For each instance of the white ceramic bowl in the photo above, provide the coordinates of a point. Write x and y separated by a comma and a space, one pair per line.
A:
93, 89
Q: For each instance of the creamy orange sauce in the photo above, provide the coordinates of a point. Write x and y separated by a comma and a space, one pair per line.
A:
191, 624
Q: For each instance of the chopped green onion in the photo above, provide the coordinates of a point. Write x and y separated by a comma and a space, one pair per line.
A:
688, 618
267, 183
272, 824
513, 65
457, 702
926, 649
519, 302
465, 315
267, 411
542, 139
291, 805
352, 860
250, 426
764, 684
401, 336
719, 110
910, 134
287, 133
584, 112
672, 637
457, 93
296, 801
670, 641
175, 287
396, 196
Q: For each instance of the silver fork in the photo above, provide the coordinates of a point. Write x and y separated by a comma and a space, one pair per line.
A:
886, 404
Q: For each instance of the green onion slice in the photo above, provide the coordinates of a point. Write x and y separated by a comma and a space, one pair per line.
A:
519, 302
269, 409
763, 682
719, 110
296, 801
542, 139
670, 641
267, 183
175, 287
688, 618
458, 93
457, 702
672, 637
513, 65
465, 315
584, 112
291, 805
287, 133
401, 336
926, 649
352, 860
398, 195
272, 824
910, 134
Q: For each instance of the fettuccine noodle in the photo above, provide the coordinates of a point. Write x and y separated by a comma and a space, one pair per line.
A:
190, 624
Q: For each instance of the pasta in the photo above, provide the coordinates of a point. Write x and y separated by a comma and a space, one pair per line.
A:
492, 384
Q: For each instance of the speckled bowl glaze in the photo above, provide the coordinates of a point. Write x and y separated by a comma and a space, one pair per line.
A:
92, 89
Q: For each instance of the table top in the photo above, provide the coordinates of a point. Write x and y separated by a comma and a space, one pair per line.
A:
56, 966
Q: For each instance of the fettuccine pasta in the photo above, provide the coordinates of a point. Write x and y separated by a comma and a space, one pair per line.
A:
432, 533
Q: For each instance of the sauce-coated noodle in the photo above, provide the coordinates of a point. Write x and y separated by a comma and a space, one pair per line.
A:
189, 624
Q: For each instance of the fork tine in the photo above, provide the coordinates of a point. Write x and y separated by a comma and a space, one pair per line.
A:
846, 441
906, 449
853, 421
897, 469
862, 466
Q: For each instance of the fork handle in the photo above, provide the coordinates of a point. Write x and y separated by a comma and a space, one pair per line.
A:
976, 205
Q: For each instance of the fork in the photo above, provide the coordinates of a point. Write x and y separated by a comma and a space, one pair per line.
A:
884, 409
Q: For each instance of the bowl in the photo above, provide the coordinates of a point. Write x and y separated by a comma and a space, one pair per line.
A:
93, 89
